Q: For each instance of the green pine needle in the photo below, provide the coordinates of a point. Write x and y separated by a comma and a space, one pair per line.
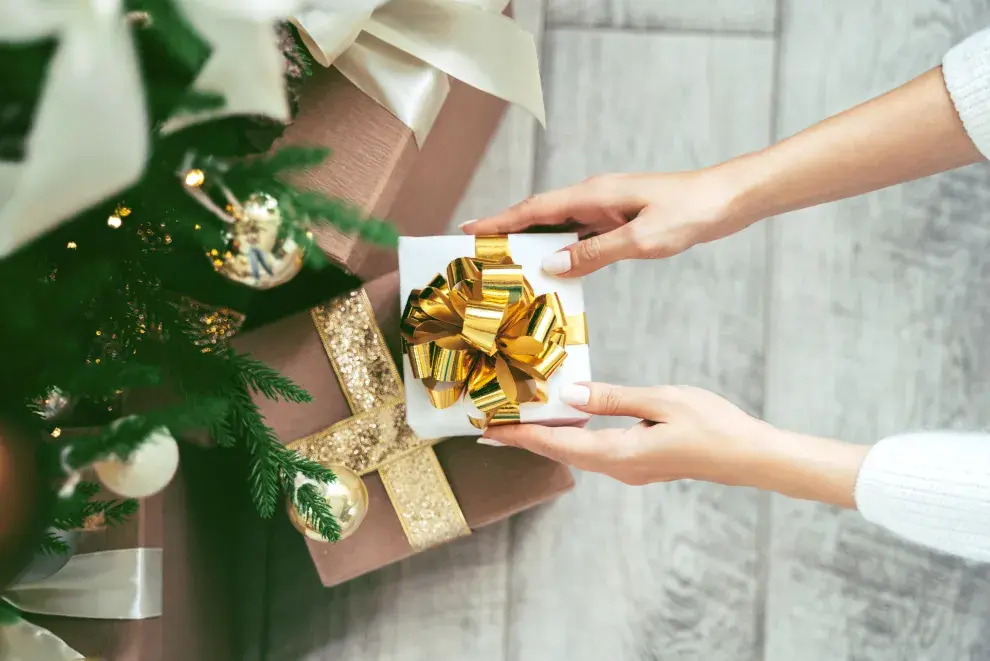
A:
52, 545
314, 508
259, 377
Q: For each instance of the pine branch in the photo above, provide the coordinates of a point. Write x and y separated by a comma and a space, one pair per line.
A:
52, 545
71, 512
113, 512
261, 378
315, 509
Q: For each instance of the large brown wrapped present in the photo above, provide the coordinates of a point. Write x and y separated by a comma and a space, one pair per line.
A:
413, 177
192, 524
376, 164
487, 484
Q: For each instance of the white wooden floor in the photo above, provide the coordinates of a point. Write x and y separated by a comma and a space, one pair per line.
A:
855, 320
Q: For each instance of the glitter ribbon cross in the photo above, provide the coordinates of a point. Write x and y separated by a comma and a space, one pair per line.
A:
377, 437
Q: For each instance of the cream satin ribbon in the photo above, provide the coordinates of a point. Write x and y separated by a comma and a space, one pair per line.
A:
401, 53
89, 137
124, 584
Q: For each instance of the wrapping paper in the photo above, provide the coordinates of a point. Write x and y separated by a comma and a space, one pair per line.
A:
490, 484
192, 523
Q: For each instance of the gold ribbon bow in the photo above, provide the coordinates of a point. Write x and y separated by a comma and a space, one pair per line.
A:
482, 330
377, 437
401, 53
124, 584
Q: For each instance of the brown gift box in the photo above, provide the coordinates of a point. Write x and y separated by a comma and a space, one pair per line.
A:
376, 164
191, 522
490, 484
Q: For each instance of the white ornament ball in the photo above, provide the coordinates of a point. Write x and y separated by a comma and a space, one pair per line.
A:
147, 471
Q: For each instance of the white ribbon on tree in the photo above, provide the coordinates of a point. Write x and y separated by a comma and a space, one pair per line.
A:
89, 136
400, 52
124, 584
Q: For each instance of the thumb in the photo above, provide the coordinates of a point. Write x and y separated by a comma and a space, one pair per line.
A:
606, 399
592, 253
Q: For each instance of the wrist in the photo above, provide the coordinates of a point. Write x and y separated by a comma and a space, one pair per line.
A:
749, 190
806, 467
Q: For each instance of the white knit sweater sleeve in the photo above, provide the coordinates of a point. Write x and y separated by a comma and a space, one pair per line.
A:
932, 488
966, 69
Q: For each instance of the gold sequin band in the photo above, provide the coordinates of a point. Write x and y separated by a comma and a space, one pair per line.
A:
480, 330
377, 436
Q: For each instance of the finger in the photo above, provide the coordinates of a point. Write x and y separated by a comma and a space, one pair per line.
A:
568, 445
554, 207
606, 399
593, 253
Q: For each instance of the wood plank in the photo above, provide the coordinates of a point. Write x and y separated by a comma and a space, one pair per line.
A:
880, 312
447, 604
666, 571
722, 15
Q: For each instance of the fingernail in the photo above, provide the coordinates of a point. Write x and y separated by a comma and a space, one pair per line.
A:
559, 262
491, 441
465, 223
575, 395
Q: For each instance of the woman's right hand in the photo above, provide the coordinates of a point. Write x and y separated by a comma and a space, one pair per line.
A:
626, 216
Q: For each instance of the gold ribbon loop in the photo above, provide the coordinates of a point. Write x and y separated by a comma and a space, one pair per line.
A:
483, 330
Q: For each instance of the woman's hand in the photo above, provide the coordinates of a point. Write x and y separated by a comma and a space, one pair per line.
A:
690, 433
625, 216
640, 216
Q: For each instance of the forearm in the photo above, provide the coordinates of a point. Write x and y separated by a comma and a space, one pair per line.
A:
806, 467
911, 132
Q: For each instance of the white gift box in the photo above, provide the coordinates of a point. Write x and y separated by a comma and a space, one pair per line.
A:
421, 258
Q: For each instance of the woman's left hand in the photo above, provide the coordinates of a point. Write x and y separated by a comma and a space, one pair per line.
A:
684, 432
690, 433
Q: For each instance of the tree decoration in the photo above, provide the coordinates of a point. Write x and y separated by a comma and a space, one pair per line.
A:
101, 246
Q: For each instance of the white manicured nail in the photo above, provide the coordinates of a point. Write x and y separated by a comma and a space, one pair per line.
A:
466, 222
575, 395
559, 262
490, 441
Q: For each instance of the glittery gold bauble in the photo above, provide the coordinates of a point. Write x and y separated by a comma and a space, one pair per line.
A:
256, 252
347, 498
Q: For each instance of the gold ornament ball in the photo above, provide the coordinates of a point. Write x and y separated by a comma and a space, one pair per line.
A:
256, 253
347, 498
147, 471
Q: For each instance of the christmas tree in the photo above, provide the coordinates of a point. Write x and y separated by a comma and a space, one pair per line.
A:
140, 201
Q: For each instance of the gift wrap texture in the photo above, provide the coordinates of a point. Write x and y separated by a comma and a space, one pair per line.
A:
422, 258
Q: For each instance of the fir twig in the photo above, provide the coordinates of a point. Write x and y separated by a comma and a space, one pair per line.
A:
51, 544
314, 508
261, 378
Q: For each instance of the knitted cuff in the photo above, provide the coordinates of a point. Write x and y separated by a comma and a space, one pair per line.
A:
932, 488
966, 70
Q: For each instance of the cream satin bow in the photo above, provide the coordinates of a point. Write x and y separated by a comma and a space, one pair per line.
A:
401, 53
109, 585
90, 132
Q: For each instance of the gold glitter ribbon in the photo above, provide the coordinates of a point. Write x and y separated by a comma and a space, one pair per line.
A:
481, 329
377, 437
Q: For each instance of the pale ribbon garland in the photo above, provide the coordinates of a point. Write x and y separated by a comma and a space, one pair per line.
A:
89, 135
401, 53
124, 584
